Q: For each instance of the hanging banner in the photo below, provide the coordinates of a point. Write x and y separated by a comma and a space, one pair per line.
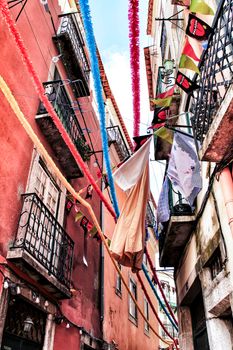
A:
197, 28
199, 6
185, 83
162, 102
189, 51
187, 63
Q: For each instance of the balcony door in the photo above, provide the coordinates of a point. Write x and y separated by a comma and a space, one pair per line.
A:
44, 236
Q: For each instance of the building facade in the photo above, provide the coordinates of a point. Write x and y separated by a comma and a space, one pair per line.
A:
196, 240
47, 259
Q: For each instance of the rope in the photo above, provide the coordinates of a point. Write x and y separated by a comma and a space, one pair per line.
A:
157, 296
47, 104
30, 132
160, 287
87, 22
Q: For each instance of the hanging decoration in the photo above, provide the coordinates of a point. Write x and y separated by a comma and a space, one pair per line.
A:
162, 102
167, 93
164, 134
89, 192
87, 22
47, 104
133, 17
185, 83
187, 63
189, 51
197, 28
200, 6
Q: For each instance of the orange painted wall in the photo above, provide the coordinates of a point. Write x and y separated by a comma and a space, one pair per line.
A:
116, 326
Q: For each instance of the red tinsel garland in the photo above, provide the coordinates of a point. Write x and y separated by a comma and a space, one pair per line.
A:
133, 17
40, 91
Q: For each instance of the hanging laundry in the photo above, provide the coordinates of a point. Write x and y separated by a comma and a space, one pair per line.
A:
128, 240
184, 169
163, 211
197, 28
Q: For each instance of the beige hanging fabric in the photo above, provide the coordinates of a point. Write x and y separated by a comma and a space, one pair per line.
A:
128, 239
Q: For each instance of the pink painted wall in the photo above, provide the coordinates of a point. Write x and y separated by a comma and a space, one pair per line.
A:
16, 151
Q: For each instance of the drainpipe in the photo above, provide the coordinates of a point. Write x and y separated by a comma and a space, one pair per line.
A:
226, 182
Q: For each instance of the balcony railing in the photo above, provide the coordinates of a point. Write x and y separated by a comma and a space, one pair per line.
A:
57, 95
150, 216
216, 72
71, 46
41, 235
178, 205
115, 137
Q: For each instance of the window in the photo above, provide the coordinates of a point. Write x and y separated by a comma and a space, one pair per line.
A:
132, 306
118, 283
215, 263
49, 189
146, 313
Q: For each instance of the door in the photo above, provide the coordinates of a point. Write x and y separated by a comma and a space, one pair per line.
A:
15, 337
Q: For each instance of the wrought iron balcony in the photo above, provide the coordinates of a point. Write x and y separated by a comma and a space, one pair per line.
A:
43, 247
212, 104
150, 216
57, 95
115, 137
177, 230
71, 46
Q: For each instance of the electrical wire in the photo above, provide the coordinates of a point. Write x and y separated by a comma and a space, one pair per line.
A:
144, 269
153, 309
159, 285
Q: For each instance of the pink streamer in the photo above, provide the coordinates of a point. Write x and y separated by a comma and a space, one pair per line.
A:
40, 91
133, 17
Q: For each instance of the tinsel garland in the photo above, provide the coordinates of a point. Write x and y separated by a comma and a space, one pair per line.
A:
40, 91
86, 16
133, 17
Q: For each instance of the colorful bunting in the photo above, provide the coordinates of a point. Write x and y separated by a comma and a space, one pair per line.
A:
187, 63
167, 93
199, 6
78, 216
160, 113
197, 28
156, 126
165, 134
188, 50
162, 102
185, 83
89, 192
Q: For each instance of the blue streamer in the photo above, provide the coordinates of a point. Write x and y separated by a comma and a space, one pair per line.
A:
86, 16
157, 296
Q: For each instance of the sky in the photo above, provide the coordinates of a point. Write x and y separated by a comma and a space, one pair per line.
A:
110, 22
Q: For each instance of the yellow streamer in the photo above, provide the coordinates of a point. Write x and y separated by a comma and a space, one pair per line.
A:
29, 130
